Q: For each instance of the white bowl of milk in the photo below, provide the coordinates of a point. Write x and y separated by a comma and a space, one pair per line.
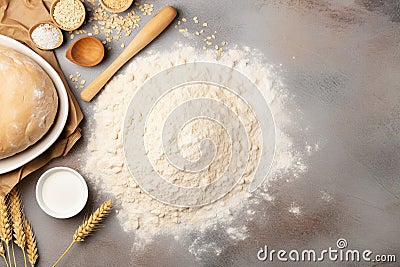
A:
61, 192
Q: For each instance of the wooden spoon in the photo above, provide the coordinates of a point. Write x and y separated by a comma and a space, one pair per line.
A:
86, 51
149, 32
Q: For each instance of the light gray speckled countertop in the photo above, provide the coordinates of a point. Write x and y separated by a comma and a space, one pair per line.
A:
345, 78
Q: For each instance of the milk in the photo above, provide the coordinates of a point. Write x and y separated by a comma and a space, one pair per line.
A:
63, 192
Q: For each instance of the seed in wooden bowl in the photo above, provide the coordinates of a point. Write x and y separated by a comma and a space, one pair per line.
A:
46, 36
115, 4
68, 14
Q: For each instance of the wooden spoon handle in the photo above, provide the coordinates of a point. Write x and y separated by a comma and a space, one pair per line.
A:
149, 32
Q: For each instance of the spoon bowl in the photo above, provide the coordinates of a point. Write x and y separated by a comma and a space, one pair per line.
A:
86, 51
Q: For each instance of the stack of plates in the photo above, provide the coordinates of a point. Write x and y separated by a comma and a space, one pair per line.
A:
18, 160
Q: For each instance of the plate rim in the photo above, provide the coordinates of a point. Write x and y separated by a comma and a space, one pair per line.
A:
8, 164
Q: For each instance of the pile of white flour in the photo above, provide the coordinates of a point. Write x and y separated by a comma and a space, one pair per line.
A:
147, 217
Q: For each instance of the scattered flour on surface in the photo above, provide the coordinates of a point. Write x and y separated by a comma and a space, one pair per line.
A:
294, 209
326, 196
146, 217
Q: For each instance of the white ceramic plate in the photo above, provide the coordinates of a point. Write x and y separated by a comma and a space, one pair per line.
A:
16, 161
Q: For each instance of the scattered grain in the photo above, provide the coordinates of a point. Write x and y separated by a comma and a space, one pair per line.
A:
208, 39
218, 53
76, 82
147, 9
112, 25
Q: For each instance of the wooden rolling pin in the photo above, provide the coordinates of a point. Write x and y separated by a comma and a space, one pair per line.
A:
149, 32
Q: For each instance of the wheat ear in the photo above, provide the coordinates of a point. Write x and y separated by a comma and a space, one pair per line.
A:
18, 221
5, 226
88, 226
3, 253
31, 247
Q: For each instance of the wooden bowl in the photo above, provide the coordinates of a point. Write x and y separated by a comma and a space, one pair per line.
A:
86, 51
122, 9
53, 5
52, 24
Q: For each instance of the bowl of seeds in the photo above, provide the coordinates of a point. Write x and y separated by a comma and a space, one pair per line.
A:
45, 35
68, 15
116, 6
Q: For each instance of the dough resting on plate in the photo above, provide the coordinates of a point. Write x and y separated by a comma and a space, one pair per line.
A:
28, 102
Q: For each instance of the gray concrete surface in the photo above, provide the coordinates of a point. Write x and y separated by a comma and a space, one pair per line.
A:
346, 82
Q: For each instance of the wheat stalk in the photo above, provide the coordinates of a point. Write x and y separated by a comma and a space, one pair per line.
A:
3, 253
93, 222
31, 247
88, 226
17, 220
5, 226
2, 250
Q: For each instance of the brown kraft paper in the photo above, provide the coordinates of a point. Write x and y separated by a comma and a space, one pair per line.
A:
16, 17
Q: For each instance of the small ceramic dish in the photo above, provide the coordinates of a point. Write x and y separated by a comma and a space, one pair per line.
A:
60, 41
61, 192
116, 10
53, 5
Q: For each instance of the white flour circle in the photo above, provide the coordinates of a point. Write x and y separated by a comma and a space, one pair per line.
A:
147, 217
241, 141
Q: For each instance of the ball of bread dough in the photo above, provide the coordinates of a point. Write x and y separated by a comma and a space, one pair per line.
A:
28, 102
